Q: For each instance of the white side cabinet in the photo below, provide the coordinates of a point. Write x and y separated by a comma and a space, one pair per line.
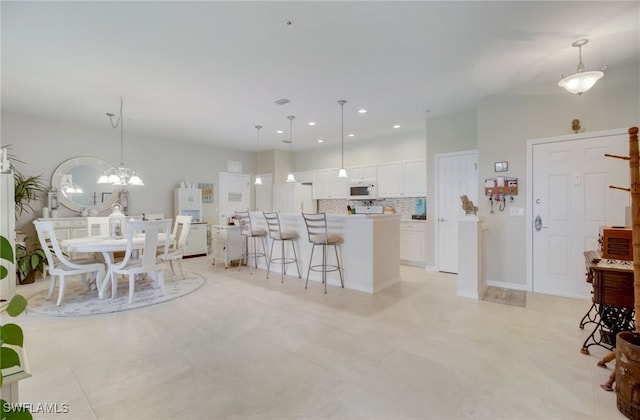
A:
226, 243
327, 185
413, 242
69, 227
196, 240
406, 178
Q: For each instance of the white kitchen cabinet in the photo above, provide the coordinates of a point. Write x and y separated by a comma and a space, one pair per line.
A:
327, 185
188, 202
413, 242
196, 240
406, 178
227, 243
304, 176
69, 227
293, 197
363, 173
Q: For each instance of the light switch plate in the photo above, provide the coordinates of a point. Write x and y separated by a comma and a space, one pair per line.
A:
517, 211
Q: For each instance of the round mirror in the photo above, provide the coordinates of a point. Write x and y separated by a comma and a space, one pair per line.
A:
76, 182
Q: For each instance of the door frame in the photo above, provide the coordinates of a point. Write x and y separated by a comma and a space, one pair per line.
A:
529, 185
436, 193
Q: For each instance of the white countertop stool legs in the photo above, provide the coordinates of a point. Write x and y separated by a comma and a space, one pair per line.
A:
318, 235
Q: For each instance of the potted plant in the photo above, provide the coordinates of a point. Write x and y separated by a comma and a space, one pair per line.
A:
28, 262
11, 336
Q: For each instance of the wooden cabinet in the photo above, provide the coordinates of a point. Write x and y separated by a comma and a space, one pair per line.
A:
227, 244
413, 242
406, 178
196, 240
327, 185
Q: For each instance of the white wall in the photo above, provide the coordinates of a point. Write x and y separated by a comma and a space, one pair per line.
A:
505, 123
162, 163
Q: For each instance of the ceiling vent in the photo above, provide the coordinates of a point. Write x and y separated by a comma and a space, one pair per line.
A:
282, 101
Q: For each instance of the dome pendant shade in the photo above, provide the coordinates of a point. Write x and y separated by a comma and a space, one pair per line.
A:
582, 80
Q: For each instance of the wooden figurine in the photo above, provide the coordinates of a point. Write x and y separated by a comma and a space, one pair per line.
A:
467, 206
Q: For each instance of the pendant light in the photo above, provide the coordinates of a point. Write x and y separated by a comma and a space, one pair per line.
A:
291, 177
582, 80
258, 179
120, 175
342, 173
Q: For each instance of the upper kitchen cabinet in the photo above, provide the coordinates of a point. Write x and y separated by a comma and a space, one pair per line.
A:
327, 185
407, 178
363, 173
304, 177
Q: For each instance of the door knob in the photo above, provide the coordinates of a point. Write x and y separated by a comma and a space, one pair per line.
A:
538, 223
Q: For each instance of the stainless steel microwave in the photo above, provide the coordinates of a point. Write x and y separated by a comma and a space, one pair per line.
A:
362, 191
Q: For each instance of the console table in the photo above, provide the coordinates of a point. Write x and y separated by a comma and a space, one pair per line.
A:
612, 308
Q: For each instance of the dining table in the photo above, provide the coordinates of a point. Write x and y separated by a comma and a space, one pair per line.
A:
105, 245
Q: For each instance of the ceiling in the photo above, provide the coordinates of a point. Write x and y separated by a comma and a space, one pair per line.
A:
208, 72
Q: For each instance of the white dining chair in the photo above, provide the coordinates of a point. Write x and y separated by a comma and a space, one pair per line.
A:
98, 226
145, 261
60, 266
178, 242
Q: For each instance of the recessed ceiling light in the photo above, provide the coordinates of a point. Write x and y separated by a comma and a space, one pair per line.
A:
396, 126
351, 135
279, 131
320, 141
312, 123
362, 111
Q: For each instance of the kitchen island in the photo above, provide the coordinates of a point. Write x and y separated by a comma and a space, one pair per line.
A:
369, 253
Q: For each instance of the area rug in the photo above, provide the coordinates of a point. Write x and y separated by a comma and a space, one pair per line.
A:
505, 296
80, 302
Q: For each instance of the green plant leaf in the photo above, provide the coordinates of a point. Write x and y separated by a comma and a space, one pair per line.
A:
14, 413
6, 250
11, 334
8, 358
16, 306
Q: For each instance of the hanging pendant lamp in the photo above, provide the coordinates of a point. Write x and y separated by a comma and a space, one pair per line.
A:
258, 179
120, 175
291, 177
582, 80
342, 173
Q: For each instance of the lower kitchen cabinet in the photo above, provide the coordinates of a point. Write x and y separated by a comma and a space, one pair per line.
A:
196, 240
226, 243
413, 242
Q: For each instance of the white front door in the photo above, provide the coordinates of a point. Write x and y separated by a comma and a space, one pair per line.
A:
234, 194
571, 200
457, 175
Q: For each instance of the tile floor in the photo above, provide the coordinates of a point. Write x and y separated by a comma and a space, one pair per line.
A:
245, 347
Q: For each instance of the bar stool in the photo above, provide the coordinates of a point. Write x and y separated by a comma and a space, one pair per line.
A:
276, 234
249, 234
318, 235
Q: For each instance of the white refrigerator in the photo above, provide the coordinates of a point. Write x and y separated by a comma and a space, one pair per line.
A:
293, 198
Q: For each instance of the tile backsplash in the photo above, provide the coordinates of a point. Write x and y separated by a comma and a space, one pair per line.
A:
403, 206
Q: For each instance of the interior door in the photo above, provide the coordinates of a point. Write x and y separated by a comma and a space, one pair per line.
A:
457, 175
570, 202
234, 194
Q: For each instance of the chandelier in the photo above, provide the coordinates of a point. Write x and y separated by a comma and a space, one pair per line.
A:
120, 175
582, 80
